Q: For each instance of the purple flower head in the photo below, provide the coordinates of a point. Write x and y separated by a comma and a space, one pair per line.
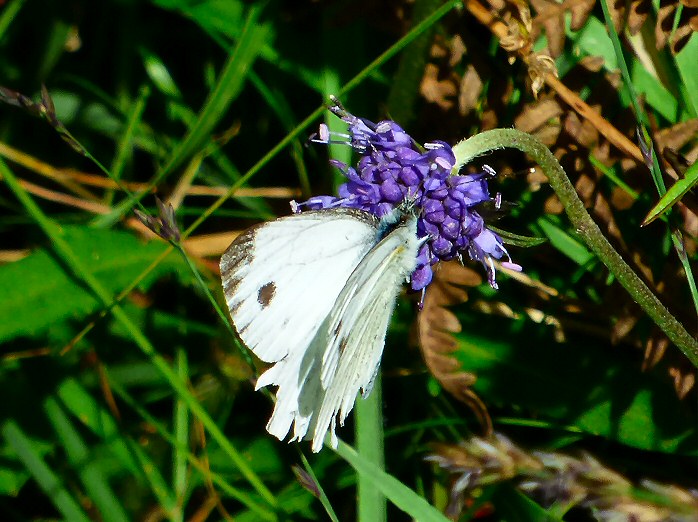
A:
392, 169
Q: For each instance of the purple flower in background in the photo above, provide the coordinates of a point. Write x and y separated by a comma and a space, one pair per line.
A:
393, 169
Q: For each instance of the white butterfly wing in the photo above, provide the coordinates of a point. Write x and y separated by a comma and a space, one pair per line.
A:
354, 333
281, 280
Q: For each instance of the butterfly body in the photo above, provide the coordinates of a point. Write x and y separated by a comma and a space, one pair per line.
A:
313, 293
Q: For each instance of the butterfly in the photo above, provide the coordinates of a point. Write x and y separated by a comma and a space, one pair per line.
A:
312, 294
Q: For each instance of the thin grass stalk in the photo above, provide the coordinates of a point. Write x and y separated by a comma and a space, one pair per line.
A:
124, 147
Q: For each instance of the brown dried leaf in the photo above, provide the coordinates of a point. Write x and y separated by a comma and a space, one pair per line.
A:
620, 199
592, 63
551, 16
682, 372
618, 12
542, 113
539, 67
693, 20
627, 319
654, 350
437, 90
684, 379
678, 135
470, 90
665, 23
603, 214
639, 9
580, 10
583, 132
458, 50
436, 323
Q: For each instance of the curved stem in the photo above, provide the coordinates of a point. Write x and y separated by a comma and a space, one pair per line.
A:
487, 141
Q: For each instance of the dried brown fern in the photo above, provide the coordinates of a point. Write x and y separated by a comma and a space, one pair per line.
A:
435, 326
549, 16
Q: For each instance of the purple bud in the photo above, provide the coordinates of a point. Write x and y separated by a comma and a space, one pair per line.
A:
421, 277
441, 247
390, 191
427, 229
439, 194
434, 211
409, 177
450, 228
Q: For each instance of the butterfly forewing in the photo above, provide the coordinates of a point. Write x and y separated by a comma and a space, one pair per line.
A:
281, 278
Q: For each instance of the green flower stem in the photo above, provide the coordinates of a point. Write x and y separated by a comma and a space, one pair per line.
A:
487, 141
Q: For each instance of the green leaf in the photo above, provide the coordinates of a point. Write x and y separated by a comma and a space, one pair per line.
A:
688, 70
399, 494
518, 240
48, 293
52, 484
674, 194
565, 243
514, 506
92, 475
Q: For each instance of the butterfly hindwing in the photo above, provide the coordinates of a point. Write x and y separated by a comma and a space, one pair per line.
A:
355, 330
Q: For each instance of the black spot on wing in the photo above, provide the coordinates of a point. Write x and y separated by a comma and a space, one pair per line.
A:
266, 294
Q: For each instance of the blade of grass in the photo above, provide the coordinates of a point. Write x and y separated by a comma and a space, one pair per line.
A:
399, 494
9, 13
565, 243
124, 147
687, 65
321, 492
181, 436
76, 266
674, 194
369, 442
49, 483
93, 480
